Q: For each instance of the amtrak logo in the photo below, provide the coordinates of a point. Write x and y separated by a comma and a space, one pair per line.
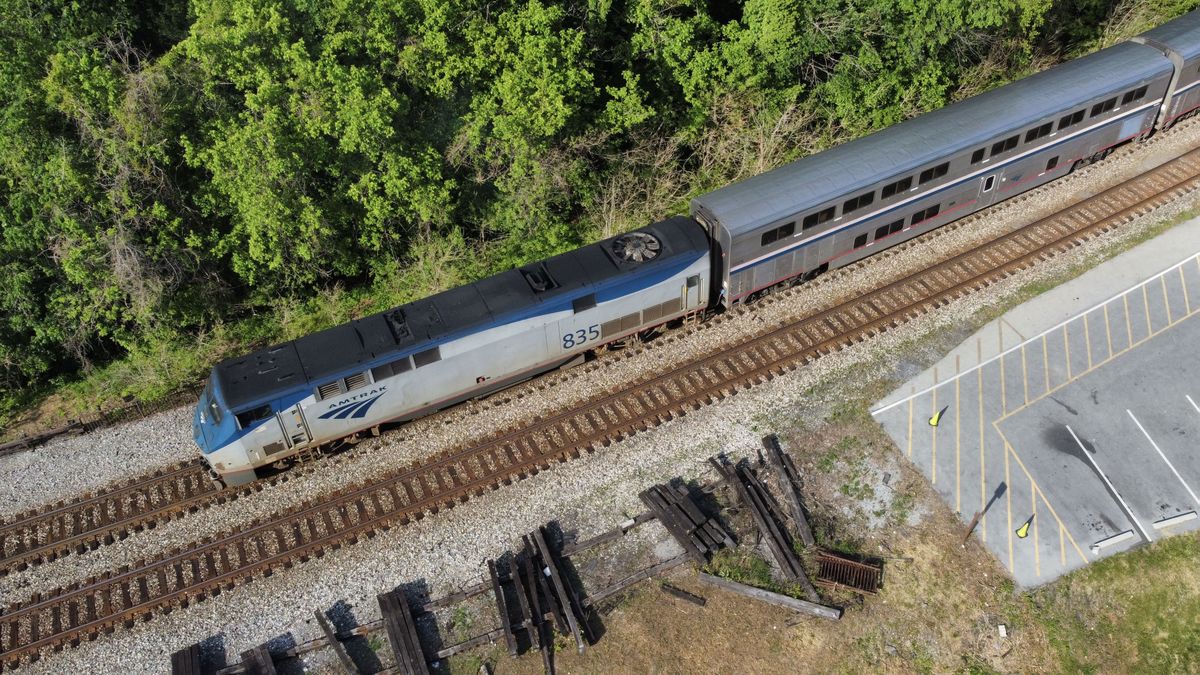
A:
353, 408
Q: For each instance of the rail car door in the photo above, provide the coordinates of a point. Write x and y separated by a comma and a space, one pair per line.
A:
987, 189
295, 430
692, 292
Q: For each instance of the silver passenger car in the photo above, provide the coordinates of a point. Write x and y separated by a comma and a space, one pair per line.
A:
841, 205
1178, 40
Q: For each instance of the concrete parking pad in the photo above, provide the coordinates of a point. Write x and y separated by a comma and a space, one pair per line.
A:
1070, 426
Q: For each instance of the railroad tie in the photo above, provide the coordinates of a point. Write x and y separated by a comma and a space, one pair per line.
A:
348, 665
502, 608
186, 661
564, 591
527, 620
258, 661
400, 626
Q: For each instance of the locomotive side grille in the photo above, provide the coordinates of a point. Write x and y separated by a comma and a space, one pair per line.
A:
669, 307
332, 389
356, 381
652, 313
390, 369
610, 328
621, 325
631, 321
272, 448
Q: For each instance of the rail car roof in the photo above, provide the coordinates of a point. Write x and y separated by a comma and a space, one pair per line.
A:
305, 362
1182, 35
904, 148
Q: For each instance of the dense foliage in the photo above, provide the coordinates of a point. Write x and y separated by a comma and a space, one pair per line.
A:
166, 167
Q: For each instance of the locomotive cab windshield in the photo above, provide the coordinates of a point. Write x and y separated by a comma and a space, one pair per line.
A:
213, 424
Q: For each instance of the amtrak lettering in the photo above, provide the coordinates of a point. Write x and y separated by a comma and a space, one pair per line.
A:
355, 406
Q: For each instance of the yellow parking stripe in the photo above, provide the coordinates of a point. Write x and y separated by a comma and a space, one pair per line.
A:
933, 433
1087, 339
1046, 361
1008, 447
1166, 300
957, 450
982, 458
1146, 306
1128, 321
1003, 388
1108, 330
1067, 349
1037, 554
1187, 303
1062, 546
1024, 374
1008, 499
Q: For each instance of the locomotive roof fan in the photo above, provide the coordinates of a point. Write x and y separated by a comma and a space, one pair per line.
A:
636, 247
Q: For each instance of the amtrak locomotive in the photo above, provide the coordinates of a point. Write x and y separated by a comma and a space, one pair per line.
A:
786, 225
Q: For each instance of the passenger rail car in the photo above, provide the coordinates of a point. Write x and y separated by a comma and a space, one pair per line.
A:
841, 205
1178, 41
466, 342
815, 214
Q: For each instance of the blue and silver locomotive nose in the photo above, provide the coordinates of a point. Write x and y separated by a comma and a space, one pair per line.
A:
198, 421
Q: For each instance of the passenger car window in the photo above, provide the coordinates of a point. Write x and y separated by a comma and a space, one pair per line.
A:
855, 203
1103, 107
933, 172
1070, 120
1039, 132
775, 234
926, 214
822, 216
1004, 145
898, 186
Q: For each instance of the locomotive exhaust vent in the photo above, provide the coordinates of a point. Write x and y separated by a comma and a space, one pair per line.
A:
636, 247
538, 278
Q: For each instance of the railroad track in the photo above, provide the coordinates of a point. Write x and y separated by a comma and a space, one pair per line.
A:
44, 534
84, 610
112, 513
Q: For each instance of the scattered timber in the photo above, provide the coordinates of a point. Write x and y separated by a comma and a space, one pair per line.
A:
785, 601
258, 661
186, 661
789, 485
698, 535
682, 594
348, 665
753, 494
401, 628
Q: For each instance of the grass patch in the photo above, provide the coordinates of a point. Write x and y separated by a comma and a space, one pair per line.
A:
744, 567
1135, 612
